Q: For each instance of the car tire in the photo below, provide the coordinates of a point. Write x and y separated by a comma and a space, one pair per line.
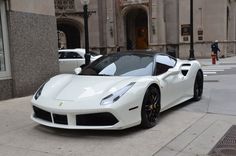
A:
150, 107
198, 86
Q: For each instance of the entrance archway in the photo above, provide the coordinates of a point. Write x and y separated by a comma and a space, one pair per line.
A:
71, 35
136, 29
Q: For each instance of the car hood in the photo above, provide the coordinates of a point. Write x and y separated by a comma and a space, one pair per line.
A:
68, 87
95, 57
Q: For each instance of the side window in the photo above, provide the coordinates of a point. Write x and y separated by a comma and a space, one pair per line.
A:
172, 61
161, 68
73, 55
163, 63
61, 55
69, 55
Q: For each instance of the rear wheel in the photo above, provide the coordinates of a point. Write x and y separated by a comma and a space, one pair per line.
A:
198, 86
150, 107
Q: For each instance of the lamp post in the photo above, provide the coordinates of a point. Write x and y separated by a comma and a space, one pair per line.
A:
191, 51
85, 16
58, 39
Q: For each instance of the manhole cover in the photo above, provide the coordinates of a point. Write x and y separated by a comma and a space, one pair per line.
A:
227, 144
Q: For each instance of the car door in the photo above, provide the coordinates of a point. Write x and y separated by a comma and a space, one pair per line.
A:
179, 84
174, 84
170, 80
68, 61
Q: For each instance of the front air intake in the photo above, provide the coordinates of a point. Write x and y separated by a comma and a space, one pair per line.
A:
60, 119
97, 119
42, 114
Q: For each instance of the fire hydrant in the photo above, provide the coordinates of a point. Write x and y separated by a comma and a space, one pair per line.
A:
213, 58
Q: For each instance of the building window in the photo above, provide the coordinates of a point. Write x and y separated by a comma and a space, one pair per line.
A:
4, 48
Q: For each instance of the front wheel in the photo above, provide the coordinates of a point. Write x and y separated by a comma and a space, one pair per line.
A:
150, 107
198, 86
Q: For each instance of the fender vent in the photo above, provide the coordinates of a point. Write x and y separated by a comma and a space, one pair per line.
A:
184, 72
186, 64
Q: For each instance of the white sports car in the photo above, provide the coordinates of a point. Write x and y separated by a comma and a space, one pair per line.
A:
69, 59
117, 91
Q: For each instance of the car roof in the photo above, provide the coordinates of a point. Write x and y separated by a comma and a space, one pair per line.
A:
72, 50
150, 53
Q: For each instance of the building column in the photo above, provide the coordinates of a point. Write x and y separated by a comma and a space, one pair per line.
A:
110, 24
153, 23
161, 31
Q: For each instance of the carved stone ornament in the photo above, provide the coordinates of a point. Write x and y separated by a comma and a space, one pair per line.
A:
130, 2
64, 5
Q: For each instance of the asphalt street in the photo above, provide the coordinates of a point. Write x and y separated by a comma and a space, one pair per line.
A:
190, 129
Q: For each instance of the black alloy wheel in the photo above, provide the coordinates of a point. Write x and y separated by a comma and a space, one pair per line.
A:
198, 86
150, 107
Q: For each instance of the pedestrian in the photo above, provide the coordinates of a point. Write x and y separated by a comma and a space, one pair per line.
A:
129, 44
215, 49
118, 48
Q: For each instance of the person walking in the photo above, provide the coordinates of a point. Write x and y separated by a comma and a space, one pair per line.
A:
215, 49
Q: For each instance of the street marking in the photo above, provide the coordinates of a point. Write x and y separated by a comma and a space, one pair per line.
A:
206, 70
209, 72
214, 69
219, 67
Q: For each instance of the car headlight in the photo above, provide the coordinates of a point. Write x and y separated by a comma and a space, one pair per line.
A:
39, 91
116, 95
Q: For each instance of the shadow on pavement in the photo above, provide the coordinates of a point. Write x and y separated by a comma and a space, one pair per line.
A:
175, 108
71, 133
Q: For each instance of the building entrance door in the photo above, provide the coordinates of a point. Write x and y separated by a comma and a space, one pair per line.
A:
69, 36
137, 29
141, 38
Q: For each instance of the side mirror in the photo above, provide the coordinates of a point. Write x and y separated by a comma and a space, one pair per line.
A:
77, 70
171, 72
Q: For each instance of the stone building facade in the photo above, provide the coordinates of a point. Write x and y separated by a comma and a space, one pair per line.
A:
161, 25
28, 46
31, 32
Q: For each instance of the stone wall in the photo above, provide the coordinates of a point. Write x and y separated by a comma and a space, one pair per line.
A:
33, 50
6, 89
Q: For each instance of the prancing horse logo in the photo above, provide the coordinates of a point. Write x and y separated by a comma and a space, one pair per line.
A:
60, 104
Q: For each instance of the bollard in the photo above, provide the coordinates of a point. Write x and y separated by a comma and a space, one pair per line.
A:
213, 58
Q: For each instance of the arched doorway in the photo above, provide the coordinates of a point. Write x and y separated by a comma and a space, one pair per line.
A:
136, 29
68, 35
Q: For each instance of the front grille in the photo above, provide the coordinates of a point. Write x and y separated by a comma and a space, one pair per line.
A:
97, 119
42, 114
60, 119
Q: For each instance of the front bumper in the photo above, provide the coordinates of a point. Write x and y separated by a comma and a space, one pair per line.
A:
106, 118
97, 120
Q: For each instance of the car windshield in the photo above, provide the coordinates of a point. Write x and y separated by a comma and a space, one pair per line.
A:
121, 65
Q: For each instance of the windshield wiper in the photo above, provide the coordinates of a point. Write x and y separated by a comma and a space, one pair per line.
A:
103, 75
